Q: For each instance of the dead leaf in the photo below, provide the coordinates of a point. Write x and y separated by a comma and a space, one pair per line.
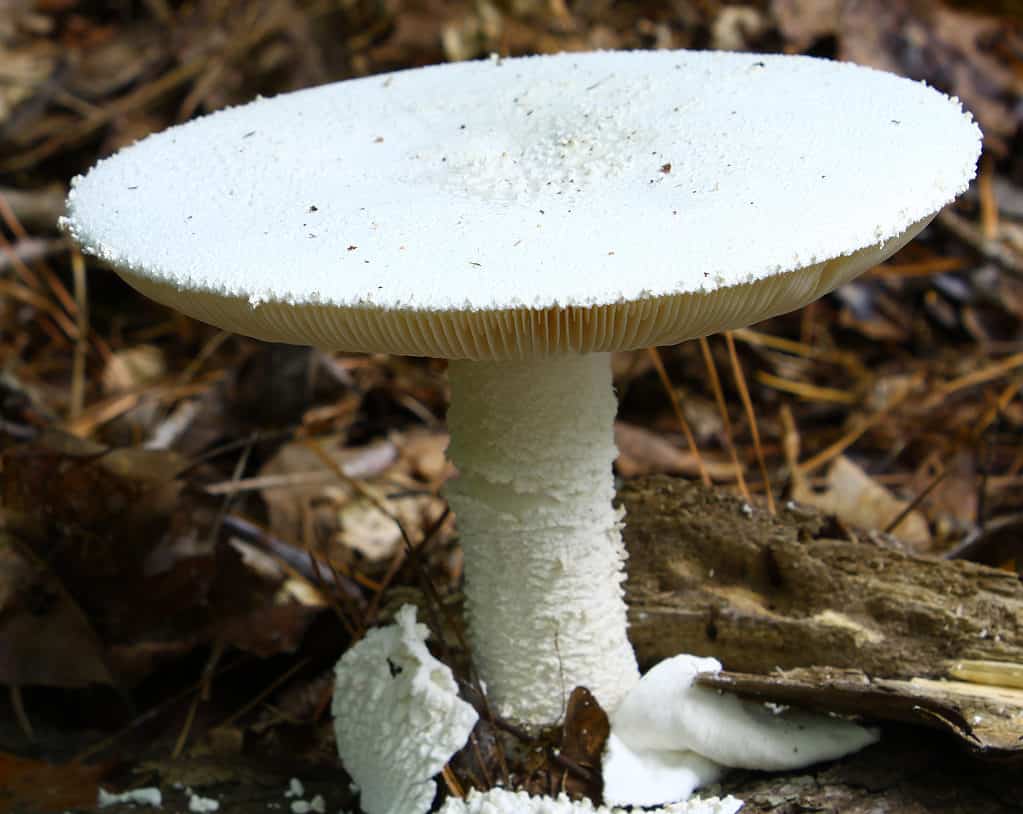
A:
855, 498
737, 28
289, 501
641, 452
139, 558
367, 529
45, 638
32, 785
133, 368
803, 22
426, 455
584, 735
353, 524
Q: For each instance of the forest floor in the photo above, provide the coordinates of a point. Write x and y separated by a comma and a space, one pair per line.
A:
194, 526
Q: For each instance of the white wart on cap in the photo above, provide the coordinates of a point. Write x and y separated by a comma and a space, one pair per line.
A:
525, 216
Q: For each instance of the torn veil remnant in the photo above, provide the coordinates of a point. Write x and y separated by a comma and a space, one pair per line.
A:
515, 217
669, 737
398, 719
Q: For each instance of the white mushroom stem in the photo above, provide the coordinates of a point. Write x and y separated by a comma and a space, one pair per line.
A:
544, 559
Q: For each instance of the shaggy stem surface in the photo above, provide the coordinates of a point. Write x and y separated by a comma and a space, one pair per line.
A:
544, 560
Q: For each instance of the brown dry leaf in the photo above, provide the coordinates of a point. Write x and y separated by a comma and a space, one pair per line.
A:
737, 28
133, 368
139, 555
855, 498
32, 785
802, 22
566, 760
584, 735
269, 629
310, 504
23, 72
367, 529
289, 500
425, 454
368, 523
952, 502
474, 35
45, 639
641, 452
109, 65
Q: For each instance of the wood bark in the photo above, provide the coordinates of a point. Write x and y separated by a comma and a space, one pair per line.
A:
856, 626
712, 576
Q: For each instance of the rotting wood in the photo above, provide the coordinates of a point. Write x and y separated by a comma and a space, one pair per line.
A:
713, 576
987, 719
896, 776
855, 626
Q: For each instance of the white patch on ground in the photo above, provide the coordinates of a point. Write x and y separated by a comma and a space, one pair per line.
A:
150, 796
202, 805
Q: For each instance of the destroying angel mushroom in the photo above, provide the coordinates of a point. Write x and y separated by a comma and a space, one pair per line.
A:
523, 218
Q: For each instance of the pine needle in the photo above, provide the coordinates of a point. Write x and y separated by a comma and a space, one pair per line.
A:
676, 406
719, 397
747, 403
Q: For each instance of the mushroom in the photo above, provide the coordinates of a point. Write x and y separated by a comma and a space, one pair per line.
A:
523, 218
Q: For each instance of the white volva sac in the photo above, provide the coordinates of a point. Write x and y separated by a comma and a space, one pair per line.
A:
669, 737
397, 717
500, 801
534, 444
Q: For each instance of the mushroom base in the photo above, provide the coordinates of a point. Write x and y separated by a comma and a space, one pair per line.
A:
544, 560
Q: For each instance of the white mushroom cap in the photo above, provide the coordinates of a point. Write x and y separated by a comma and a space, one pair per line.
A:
519, 207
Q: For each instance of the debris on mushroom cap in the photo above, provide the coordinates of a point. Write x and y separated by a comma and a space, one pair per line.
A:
665, 716
522, 208
500, 801
397, 717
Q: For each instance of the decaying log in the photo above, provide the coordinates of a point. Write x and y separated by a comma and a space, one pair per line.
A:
711, 576
987, 719
857, 626
904, 774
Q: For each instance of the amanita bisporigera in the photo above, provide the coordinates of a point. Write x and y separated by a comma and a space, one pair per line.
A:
523, 218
